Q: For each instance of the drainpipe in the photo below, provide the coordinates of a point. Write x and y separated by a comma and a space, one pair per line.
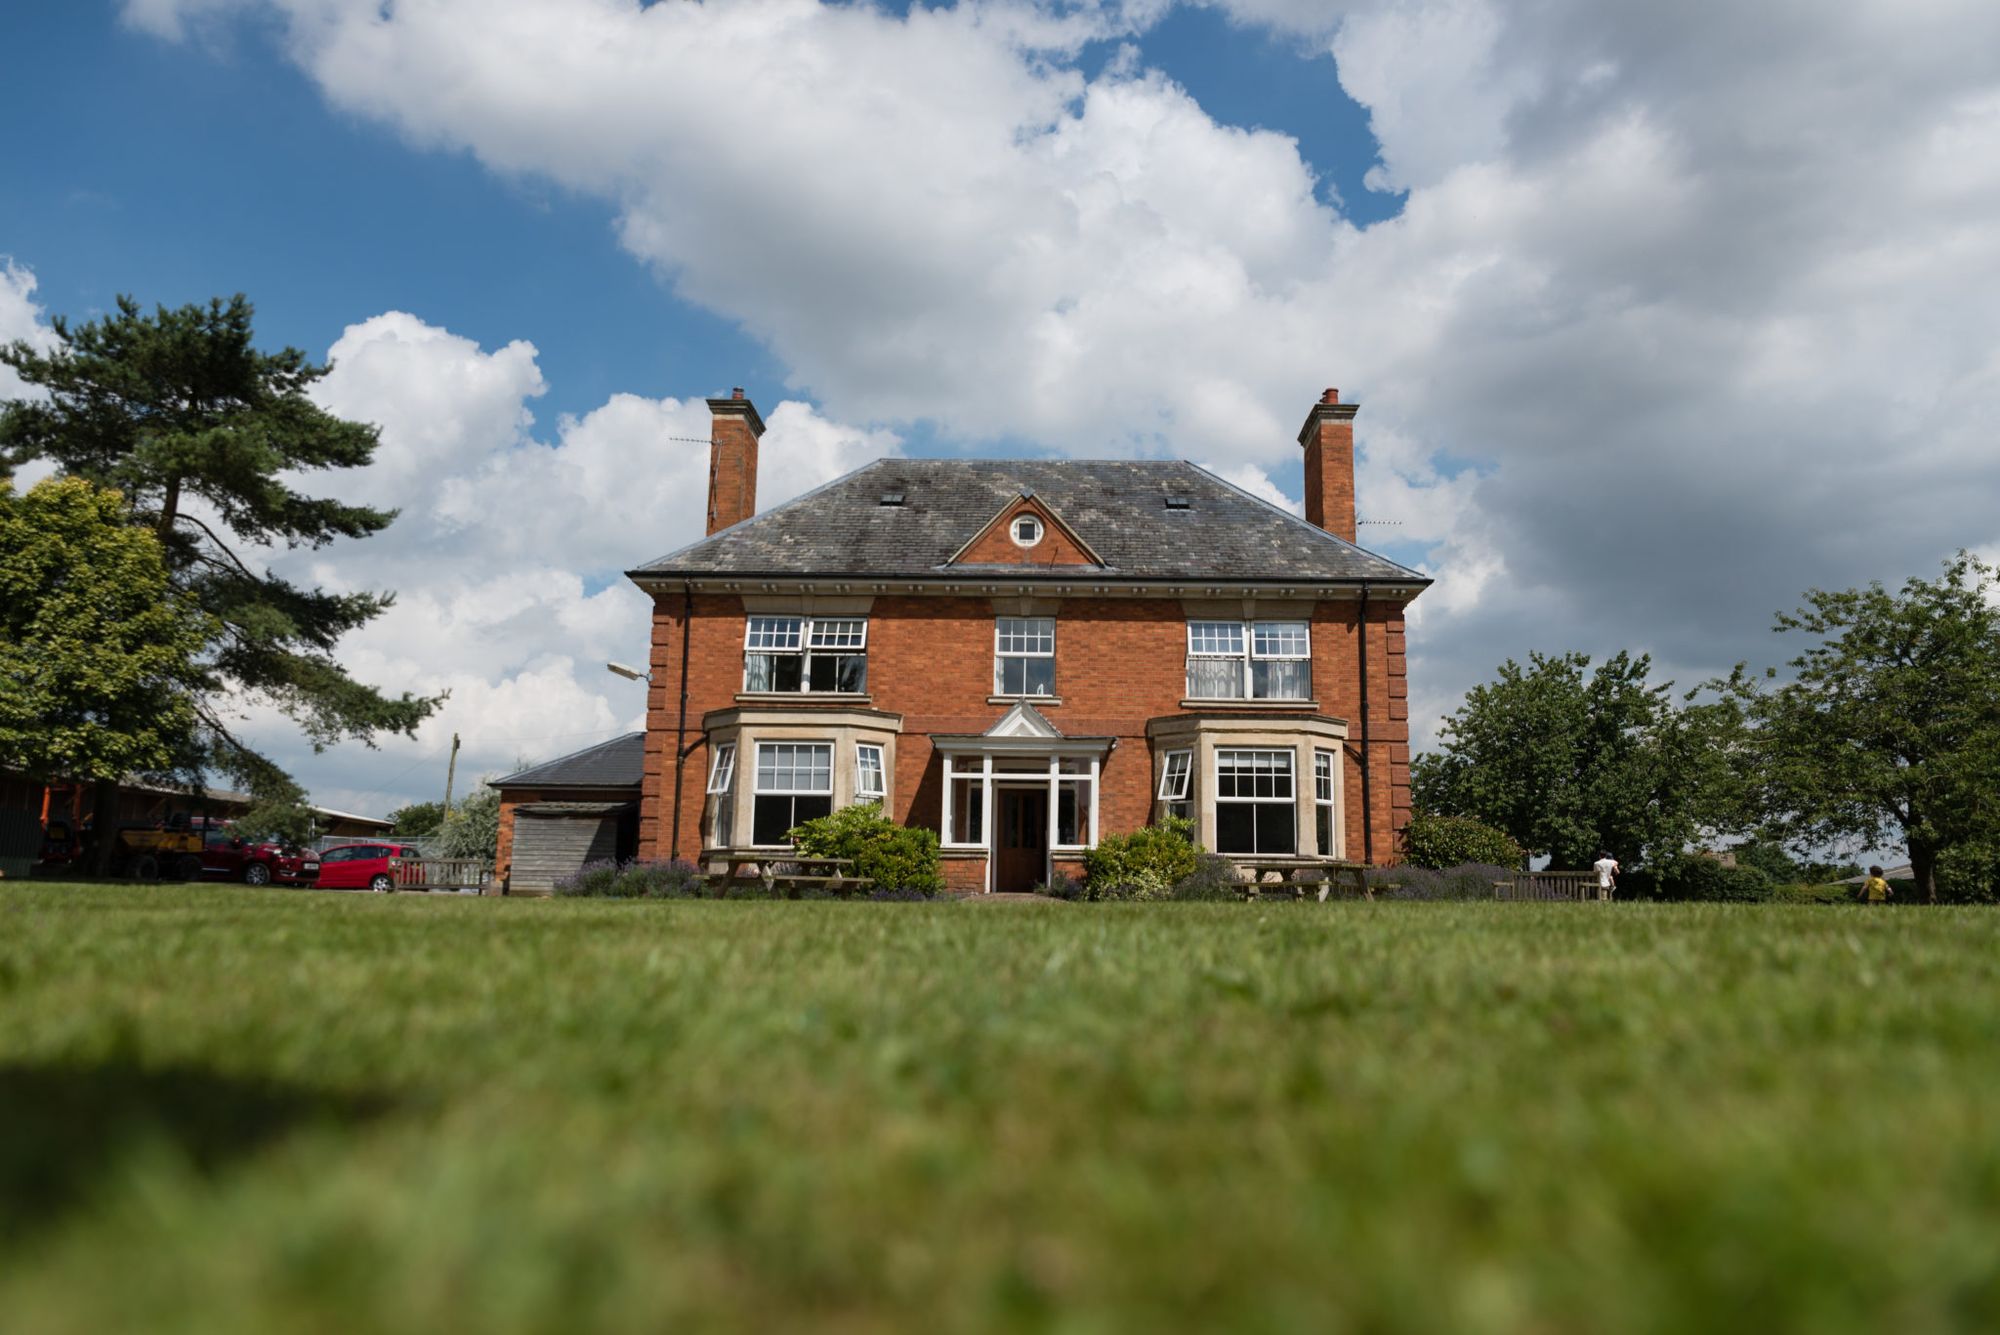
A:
680, 728
1367, 792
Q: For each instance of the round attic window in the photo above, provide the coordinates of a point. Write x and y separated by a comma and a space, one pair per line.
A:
1027, 531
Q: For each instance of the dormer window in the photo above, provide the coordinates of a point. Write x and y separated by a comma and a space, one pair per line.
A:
893, 497
1026, 530
824, 654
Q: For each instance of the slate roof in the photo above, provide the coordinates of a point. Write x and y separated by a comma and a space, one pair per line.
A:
1118, 506
618, 763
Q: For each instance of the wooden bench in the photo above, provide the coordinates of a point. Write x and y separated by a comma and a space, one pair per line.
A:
1324, 875
834, 874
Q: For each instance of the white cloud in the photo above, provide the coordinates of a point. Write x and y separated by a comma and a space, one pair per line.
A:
1708, 295
21, 320
509, 552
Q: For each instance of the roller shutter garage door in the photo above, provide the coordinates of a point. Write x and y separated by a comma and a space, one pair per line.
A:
553, 839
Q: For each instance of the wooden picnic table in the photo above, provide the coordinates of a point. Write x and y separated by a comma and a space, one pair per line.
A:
826, 873
1324, 873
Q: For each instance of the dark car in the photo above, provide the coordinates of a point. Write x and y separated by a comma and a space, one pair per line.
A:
227, 855
369, 866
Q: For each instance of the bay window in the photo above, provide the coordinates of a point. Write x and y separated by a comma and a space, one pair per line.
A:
794, 785
1175, 776
869, 773
805, 654
722, 787
1323, 801
1257, 660
1024, 656
1256, 804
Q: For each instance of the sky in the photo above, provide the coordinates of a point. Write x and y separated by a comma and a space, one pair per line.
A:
1658, 316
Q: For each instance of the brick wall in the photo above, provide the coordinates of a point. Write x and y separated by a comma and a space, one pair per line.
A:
1119, 662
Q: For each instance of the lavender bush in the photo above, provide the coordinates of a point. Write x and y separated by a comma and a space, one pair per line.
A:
1470, 880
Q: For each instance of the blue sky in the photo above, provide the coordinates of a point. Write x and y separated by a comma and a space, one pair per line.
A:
1632, 348
179, 171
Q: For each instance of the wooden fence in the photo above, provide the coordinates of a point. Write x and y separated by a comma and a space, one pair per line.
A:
443, 873
1565, 885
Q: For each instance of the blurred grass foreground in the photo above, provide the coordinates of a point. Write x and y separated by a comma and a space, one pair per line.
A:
230, 1110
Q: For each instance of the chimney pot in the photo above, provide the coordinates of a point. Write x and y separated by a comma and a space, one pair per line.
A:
1331, 396
737, 393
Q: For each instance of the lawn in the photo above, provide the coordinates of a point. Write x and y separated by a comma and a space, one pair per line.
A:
230, 1110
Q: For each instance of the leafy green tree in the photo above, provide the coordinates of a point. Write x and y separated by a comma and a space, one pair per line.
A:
471, 829
279, 821
418, 819
1568, 761
98, 652
1889, 728
201, 432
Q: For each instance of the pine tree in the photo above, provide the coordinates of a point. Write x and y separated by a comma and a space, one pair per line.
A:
180, 412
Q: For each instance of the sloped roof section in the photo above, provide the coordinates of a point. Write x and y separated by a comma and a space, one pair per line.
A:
1118, 506
618, 763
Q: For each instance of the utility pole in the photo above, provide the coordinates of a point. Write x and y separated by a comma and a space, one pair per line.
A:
450, 773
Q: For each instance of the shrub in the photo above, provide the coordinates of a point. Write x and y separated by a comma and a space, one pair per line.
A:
1455, 841
1214, 877
679, 879
1062, 886
895, 856
1693, 877
1470, 880
1830, 893
1145, 864
593, 880
1968, 874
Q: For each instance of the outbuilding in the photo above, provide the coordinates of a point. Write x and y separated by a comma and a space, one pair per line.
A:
577, 809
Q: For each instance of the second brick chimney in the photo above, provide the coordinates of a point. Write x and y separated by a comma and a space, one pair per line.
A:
734, 428
1328, 437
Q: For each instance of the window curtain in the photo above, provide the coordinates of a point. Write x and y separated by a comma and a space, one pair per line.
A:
1215, 678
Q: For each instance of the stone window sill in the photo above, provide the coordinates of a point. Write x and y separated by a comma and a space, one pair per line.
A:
1038, 701
807, 698
1238, 703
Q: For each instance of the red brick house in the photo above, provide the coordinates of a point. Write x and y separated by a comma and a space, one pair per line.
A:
1023, 655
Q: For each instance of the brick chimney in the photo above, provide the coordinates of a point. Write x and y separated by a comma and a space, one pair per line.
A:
1328, 437
734, 428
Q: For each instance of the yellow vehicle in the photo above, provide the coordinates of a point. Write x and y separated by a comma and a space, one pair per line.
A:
147, 853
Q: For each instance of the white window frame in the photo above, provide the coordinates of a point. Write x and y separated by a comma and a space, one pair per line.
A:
862, 773
1014, 530
805, 645
1169, 790
1001, 654
757, 788
1324, 791
980, 772
722, 770
1291, 772
1246, 633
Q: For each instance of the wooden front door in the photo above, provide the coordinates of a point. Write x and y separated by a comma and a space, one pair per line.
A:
1021, 843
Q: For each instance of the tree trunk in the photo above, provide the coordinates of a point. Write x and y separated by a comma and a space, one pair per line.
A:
103, 826
1923, 869
170, 505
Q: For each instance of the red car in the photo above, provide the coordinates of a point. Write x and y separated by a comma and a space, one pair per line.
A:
230, 856
362, 866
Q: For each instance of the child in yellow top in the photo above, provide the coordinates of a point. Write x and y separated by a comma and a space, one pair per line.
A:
1876, 889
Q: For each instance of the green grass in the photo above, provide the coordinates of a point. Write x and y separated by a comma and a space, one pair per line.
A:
226, 1110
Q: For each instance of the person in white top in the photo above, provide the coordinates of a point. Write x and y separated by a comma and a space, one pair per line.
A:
1606, 868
